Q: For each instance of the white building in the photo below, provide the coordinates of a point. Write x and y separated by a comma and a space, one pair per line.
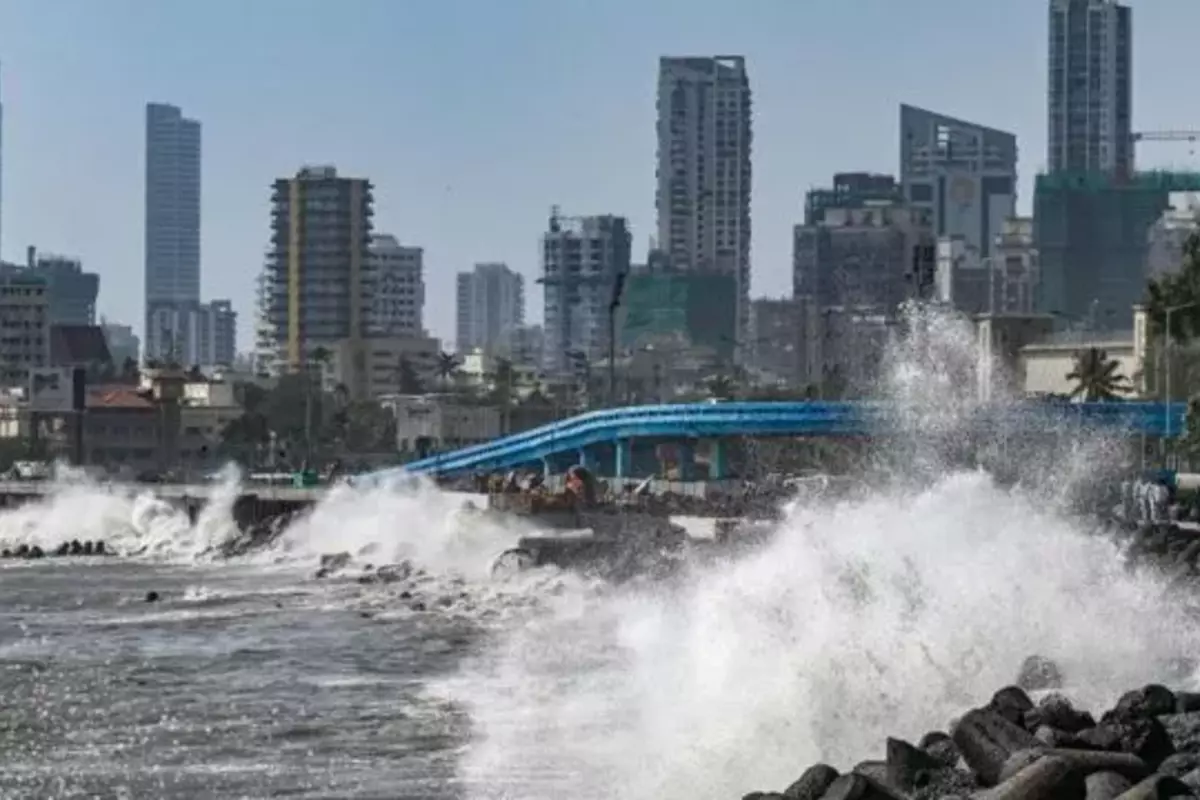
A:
490, 307
1168, 236
193, 334
962, 173
1090, 85
432, 422
704, 168
582, 258
397, 300
172, 222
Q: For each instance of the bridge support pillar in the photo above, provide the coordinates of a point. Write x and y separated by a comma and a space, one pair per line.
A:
687, 461
547, 468
587, 460
718, 467
622, 458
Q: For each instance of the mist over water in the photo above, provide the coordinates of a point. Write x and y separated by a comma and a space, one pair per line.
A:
886, 614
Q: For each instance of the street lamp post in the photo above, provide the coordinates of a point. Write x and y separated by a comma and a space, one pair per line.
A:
1167, 358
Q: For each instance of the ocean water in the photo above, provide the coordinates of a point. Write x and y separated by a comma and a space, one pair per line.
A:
887, 613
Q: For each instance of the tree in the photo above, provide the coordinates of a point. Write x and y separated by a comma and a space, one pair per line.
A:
369, 427
407, 379
721, 387
1097, 377
130, 372
447, 365
1179, 291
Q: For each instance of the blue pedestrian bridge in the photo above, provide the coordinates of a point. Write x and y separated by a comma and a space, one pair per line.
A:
625, 442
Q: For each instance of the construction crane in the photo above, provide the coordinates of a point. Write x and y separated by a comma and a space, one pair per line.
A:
1167, 136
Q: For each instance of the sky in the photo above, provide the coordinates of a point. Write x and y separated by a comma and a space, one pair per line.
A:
473, 117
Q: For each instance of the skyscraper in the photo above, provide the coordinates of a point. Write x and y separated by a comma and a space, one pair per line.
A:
172, 244
1090, 87
491, 307
704, 175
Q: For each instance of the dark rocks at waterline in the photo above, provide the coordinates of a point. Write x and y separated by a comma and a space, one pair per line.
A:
259, 535
66, 549
1012, 748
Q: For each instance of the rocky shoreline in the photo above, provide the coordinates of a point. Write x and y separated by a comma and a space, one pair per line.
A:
1013, 748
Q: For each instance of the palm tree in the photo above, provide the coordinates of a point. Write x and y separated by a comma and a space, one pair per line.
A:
447, 365
1096, 376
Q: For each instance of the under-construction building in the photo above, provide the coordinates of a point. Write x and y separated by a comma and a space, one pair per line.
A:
1091, 231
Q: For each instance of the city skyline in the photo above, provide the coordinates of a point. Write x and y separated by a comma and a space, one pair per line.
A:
66, 117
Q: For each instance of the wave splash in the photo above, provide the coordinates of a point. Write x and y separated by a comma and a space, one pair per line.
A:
887, 614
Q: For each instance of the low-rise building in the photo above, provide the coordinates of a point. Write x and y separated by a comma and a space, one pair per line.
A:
433, 423
370, 368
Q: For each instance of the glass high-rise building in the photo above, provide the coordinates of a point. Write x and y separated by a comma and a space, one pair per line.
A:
172, 228
1090, 94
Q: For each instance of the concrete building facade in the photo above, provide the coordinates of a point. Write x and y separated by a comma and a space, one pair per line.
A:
24, 326
384, 362
962, 173
704, 169
172, 213
584, 261
490, 308
398, 288
73, 292
193, 334
1090, 87
319, 286
123, 343
775, 339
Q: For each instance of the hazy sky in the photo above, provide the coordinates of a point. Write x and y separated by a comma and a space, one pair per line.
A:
473, 117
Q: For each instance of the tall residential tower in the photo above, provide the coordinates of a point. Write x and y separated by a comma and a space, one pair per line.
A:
491, 308
704, 175
172, 231
1090, 94
317, 288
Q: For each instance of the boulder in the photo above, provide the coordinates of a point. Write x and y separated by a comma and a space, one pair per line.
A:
1106, 785
1157, 786
987, 740
941, 747
1042, 779
1145, 738
1151, 700
908, 767
813, 784
1057, 712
